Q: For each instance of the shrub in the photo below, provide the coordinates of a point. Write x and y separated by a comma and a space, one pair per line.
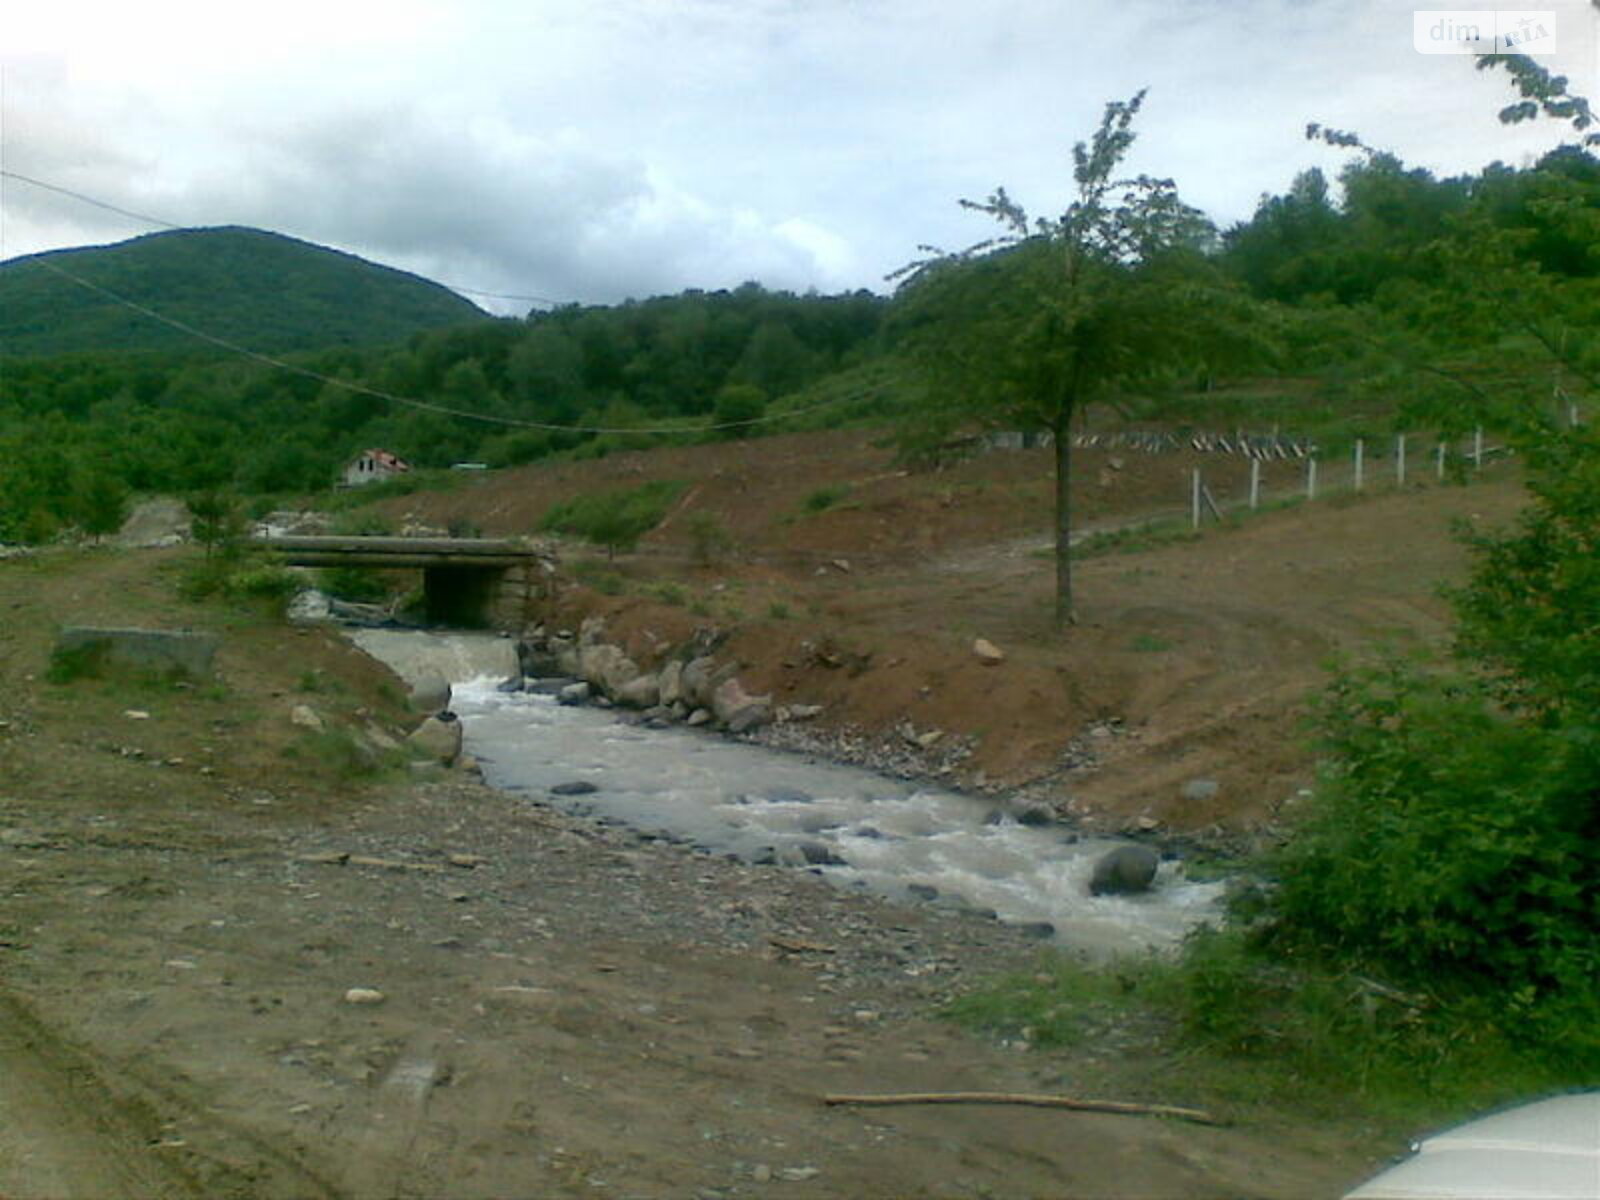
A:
614, 519
825, 498
709, 539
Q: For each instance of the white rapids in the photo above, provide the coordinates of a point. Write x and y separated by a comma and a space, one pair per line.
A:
855, 828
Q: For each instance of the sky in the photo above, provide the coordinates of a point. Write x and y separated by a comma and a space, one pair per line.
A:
593, 150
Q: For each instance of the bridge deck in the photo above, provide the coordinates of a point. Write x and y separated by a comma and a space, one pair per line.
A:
353, 551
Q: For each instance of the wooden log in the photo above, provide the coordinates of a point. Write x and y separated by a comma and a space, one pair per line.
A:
1036, 1100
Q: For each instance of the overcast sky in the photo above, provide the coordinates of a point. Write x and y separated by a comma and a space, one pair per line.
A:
592, 150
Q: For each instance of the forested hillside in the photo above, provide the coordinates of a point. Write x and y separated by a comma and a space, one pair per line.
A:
181, 423
263, 291
1344, 276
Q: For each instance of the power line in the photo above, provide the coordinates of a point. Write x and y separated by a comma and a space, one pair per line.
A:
428, 405
126, 212
165, 224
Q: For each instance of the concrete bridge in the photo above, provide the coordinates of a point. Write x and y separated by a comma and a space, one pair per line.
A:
470, 582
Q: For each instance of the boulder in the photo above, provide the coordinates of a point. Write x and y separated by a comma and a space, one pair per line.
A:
574, 694
161, 651
606, 667
305, 717
430, 694
669, 684
510, 684
439, 738
536, 661
1126, 869
988, 653
642, 691
309, 607
566, 654
698, 680
737, 709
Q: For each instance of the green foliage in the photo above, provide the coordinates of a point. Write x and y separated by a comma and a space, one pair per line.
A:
1024, 329
354, 584
709, 539
614, 519
341, 754
1454, 845
824, 498
738, 405
102, 504
1058, 1003
262, 290
1530, 613
217, 523
1449, 845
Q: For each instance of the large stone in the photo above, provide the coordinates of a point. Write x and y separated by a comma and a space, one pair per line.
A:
430, 694
1126, 869
574, 694
606, 667
988, 653
306, 717
161, 651
699, 680
309, 607
669, 684
643, 691
439, 737
738, 709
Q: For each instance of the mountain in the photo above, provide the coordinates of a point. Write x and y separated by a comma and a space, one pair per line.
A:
260, 290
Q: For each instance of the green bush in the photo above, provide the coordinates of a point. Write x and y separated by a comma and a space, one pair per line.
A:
614, 519
825, 498
709, 539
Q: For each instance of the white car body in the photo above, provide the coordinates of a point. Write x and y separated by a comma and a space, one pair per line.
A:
1548, 1150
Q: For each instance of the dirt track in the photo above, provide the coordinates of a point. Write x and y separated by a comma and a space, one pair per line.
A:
584, 1014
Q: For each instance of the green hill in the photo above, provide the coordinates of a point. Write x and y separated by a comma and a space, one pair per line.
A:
260, 290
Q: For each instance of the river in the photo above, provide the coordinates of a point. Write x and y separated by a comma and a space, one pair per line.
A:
729, 797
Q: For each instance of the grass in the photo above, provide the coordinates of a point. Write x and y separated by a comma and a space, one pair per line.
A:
1254, 1033
1149, 643
1130, 539
824, 498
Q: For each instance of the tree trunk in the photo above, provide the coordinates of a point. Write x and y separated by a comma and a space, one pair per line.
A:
1062, 431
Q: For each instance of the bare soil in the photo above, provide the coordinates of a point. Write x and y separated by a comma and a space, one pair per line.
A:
187, 895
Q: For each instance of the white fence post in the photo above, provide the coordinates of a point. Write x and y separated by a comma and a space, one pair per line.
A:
1361, 455
1311, 479
1255, 483
1438, 458
1194, 500
1477, 448
1400, 459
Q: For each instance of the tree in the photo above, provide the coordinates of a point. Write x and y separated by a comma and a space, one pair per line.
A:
101, 503
1026, 328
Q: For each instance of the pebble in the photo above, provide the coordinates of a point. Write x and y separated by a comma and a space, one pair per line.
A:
798, 1174
761, 1173
136, 714
361, 995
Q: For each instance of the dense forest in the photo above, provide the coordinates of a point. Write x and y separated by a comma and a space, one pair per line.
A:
1343, 274
262, 291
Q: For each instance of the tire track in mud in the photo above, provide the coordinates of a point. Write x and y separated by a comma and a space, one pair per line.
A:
73, 1126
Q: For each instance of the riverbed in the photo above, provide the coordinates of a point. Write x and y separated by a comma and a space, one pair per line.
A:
725, 796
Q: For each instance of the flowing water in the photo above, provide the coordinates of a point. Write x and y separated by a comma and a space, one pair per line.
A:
856, 828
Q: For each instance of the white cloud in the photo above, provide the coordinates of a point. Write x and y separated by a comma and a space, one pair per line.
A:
636, 146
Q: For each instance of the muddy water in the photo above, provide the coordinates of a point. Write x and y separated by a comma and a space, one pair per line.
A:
855, 828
